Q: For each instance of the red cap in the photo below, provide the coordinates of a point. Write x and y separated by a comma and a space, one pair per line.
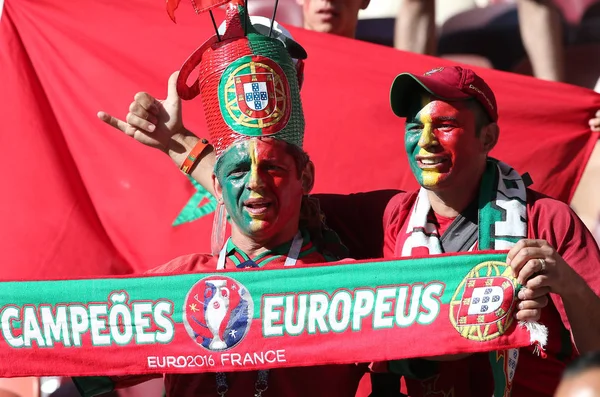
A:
450, 83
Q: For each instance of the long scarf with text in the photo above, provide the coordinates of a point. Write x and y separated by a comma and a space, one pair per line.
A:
255, 319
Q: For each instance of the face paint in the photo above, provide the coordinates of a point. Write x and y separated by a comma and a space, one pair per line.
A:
261, 188
442, 145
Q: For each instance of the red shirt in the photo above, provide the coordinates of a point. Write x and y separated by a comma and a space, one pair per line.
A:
550, 220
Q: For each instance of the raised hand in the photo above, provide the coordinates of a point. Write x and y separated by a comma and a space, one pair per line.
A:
152, 122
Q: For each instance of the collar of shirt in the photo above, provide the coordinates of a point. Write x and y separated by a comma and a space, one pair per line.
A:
241, 260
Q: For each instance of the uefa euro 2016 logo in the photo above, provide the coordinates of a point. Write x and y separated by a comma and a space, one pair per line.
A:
218, 312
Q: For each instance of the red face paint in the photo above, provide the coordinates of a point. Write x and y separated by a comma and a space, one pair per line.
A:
442, 145
261, 188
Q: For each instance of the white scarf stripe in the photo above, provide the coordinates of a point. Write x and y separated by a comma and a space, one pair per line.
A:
510, 196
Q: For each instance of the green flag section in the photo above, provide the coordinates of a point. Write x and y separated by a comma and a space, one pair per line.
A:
344, 312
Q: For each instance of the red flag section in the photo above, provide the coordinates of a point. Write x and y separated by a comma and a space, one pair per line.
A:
80, 198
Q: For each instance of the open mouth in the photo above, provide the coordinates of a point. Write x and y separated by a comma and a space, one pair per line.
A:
257, 207
432, 162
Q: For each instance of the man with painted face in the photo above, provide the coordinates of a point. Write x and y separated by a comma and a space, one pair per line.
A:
261, 178
469, 201
263, 183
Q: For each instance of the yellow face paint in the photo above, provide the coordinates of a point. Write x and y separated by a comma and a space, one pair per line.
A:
430, 177
253, 152
254, 221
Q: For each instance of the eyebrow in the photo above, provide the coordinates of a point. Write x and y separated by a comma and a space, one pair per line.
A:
446, 118
273, 161
415, 120
239, 162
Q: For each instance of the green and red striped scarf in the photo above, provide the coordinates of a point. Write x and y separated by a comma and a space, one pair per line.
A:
305, 315
502, 221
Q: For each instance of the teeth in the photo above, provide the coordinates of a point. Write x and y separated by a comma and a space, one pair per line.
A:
254, 205
432, 161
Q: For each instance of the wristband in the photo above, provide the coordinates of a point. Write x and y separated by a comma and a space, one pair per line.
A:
193, 156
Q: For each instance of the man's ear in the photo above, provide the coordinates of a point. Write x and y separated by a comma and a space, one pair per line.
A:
308, 177
489, 136
218, 189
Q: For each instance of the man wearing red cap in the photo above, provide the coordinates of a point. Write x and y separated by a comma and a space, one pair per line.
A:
467, 201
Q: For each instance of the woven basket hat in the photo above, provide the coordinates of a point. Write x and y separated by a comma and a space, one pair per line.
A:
248, 84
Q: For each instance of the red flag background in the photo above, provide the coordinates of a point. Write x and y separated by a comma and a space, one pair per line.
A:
79, 198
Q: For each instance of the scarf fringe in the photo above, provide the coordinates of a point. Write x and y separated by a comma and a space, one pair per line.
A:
538, 336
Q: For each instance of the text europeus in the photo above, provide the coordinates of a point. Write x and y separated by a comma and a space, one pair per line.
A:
387, 307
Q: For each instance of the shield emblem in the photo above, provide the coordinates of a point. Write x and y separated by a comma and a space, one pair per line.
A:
482, 306
485, 300
256, 95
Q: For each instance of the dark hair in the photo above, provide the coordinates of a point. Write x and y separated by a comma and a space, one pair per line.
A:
300, 157
583, 363
311, 216
482, 119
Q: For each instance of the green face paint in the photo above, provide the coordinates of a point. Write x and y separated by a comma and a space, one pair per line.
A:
261, 188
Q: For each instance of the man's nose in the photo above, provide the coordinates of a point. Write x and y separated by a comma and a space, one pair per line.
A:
428, 137
257, 179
